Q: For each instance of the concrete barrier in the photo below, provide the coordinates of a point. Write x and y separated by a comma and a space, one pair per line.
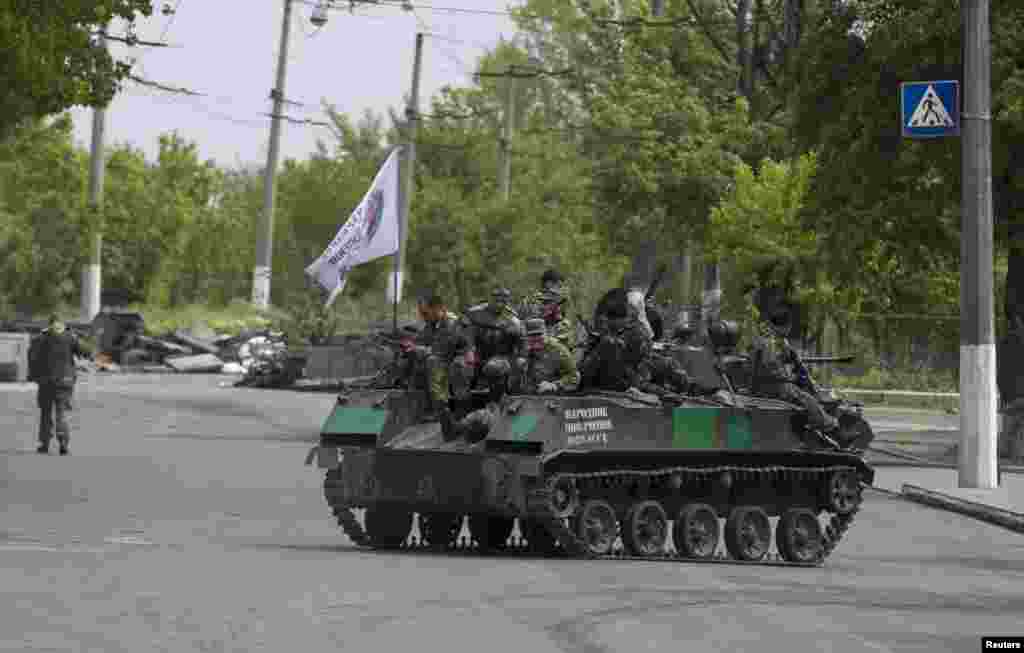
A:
360, 356
14, 357
1013, 521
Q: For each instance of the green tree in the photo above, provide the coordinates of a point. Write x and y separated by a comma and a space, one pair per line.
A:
51, 60
42, 182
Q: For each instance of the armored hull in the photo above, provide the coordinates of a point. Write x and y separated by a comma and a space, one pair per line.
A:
596, 475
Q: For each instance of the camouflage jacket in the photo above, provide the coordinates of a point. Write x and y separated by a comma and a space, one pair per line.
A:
564, 332
554, 364
615, 361
532, 307
492, 333
771, 355
445, 338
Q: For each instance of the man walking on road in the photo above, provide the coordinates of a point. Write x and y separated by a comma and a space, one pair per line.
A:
52, 366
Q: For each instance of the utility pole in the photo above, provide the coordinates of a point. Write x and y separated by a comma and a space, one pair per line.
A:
409, 172
265, 230
505, 172
92, 274
978, 396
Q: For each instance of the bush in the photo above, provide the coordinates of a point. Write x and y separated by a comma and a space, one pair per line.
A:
229, 320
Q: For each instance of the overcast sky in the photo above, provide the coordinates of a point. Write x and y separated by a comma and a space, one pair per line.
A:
227, 49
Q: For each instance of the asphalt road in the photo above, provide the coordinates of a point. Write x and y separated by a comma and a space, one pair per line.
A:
184, 520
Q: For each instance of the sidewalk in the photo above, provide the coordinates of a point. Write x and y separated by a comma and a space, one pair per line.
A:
1008, 496
939, 488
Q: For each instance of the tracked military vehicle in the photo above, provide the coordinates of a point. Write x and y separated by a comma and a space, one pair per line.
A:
598, 475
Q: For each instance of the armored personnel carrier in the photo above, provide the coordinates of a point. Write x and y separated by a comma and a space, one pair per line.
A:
595, 475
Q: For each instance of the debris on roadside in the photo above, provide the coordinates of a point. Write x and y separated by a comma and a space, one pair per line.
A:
200, 363
260, 358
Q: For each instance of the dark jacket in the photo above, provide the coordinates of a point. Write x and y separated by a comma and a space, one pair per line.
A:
772, 357
445, 338
52, 358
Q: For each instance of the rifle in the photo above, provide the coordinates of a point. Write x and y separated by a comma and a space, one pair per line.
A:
803, 373
659, 276
818, 360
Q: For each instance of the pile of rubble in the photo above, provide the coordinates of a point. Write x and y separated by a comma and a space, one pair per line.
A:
184, 351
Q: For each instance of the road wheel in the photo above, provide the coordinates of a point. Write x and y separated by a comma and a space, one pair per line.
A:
387, 528
645, 529
597, 526
748, 533
490, 532
844, 492
798, 536
696, 531
440, 529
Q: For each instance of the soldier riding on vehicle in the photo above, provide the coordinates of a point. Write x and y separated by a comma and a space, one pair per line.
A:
618, 348
546, 368
443, 352
548, 303
773, 357
495, 334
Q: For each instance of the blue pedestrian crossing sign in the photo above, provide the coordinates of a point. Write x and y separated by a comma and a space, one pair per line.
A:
930, 109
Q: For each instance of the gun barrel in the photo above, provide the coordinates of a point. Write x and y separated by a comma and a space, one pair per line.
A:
810, 360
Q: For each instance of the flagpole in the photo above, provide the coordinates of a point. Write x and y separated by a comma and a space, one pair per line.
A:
394, 295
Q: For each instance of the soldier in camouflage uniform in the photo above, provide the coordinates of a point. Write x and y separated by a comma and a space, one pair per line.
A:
548, 304
551, 286
614, 360
772, 358
443, 351
547, 367
496, 337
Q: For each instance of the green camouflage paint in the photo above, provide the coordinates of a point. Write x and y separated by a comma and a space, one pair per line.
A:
710, 428
355, 420
522, 426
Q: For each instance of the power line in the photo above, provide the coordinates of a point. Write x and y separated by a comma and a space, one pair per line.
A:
192, 95
528, 74
299, 121
409, 6
162, 87
131, 40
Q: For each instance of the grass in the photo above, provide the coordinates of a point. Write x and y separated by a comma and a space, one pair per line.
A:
231, 319
914, 380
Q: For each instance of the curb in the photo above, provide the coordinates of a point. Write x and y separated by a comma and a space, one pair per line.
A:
1010, 520
1003, 469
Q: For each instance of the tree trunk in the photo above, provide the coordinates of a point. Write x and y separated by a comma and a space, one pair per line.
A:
793, 23
744, 55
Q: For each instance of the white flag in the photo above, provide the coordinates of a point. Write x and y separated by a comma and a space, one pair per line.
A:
369, 233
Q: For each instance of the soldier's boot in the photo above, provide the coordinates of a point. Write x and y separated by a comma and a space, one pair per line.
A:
44, 447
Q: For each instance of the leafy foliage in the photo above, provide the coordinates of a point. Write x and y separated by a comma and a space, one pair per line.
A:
52, 60
761, 133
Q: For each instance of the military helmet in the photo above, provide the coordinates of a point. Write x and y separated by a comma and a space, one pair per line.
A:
535, 327
551, 276
724, 334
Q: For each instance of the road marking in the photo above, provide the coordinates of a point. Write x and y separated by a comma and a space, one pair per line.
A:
50, 549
